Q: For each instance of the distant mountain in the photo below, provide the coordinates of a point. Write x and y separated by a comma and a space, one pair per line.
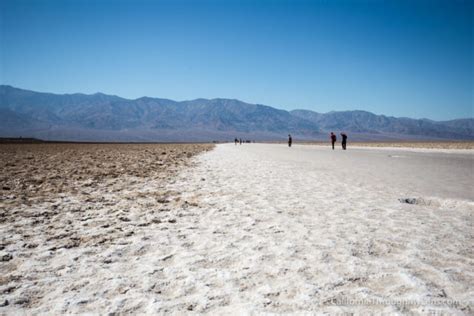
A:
100, 117
366, 123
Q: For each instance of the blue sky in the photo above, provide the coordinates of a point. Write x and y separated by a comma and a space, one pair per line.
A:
400, 58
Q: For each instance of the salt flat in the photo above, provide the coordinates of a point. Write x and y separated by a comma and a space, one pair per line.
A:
296, 229
261, 228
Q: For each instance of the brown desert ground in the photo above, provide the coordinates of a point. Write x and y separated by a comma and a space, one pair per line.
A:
56, 197
33, 173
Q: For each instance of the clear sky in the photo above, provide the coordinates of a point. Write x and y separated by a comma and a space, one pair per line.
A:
401, 58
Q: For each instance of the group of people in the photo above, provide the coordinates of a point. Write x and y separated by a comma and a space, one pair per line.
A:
240, 141
334, 139
332, 136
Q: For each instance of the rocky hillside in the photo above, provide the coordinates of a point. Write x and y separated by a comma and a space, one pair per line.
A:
100, 117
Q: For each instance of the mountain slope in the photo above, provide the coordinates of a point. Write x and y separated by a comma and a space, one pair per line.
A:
100, 117
368, 123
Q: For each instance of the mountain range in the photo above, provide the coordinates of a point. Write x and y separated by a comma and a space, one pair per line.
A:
101, 117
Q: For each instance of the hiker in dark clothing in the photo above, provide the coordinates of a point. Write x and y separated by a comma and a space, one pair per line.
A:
333, 139
290, 140
236, 141
344, 140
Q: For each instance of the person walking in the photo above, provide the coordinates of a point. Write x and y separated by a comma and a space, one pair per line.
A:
344, 140
290, 140
333, 139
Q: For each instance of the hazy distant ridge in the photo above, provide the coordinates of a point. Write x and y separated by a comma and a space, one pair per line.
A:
104, 117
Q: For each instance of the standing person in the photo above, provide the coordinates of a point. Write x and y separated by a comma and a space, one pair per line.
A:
344, 140
236, 141
290, 140
333, 139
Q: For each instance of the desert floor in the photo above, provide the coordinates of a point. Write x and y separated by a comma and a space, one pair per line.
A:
420, 144
452, 146
238, 229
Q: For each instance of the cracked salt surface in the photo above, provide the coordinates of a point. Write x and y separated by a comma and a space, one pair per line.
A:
267, 228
